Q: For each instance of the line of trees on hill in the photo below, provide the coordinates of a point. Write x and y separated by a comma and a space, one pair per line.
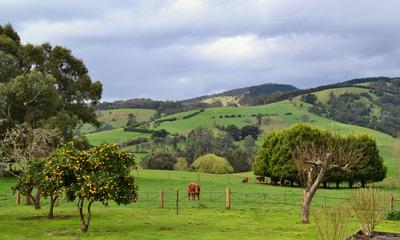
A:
276, 158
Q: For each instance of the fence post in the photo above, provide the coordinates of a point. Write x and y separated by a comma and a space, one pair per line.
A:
228, 198
177, 201
18, 198
391, 202
162, 198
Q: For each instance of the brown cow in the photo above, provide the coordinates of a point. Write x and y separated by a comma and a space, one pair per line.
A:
245, 179
260, 179
193, 190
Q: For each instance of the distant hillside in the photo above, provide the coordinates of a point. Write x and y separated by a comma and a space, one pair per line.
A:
260, 90
372, 103
368, 102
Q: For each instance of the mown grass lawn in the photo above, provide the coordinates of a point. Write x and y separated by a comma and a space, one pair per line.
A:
196, 220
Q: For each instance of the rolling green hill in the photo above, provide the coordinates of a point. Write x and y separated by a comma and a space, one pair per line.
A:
117, 118
282, 114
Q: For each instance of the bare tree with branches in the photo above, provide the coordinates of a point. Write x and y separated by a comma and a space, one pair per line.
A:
23, 144
314, 161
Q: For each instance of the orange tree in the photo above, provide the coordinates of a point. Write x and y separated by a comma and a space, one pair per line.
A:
31, 180
58, 174
102, 174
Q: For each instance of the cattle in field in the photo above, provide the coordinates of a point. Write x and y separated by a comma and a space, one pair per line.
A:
245, 179
260, 179
193, 191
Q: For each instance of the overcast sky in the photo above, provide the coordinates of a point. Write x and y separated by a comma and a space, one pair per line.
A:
185, 48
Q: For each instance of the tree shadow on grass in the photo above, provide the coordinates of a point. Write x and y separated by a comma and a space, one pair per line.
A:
45, 218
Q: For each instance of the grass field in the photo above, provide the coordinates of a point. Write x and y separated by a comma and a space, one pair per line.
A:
114, 136
196, 220
117, 118
323, 96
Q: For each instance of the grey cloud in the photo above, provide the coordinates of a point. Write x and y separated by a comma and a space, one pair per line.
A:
184, 48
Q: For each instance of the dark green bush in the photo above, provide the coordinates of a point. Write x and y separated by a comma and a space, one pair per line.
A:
393, 216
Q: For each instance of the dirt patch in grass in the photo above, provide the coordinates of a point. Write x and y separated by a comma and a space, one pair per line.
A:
166, 229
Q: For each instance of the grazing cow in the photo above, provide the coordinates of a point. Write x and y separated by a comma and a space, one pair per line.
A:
245, 179
260, 179
194, 191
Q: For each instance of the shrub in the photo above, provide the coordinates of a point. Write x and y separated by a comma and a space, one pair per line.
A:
162, 160
332, 222
191, 115
166, 120
393, 216
368, 205
181, 164
211, 163
139, 130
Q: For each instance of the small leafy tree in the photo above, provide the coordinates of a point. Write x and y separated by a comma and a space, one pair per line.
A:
58, 175
161, 159
211, 163
31, 179
369, 204
102, 174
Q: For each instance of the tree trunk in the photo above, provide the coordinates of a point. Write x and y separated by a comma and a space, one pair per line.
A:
362, 183
52, 203
325, 184
28, 199
351, 183
337, 184
84, 225
309, 193
37, 201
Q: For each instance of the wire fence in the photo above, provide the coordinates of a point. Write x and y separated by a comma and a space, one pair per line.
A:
232, 199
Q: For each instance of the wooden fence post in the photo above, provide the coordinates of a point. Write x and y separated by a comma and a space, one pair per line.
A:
162, 198
392, 207
18, 198
228, 198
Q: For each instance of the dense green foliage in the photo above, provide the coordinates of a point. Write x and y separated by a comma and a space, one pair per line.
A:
379, 108
43, 86
211, 163
161, 159
275, 158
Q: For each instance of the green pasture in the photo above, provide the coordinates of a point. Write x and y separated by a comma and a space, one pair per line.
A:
202, 219
116, 136
117, 118
324, 95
